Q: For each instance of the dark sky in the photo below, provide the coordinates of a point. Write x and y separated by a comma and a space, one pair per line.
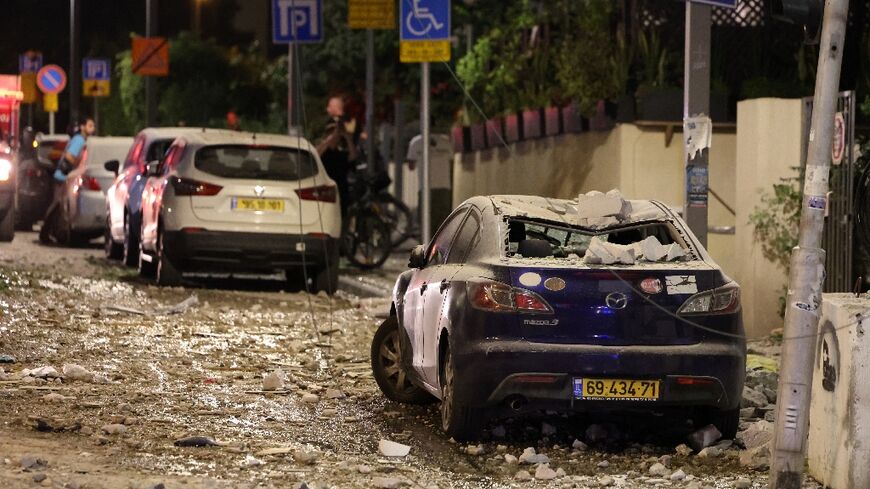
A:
106, 25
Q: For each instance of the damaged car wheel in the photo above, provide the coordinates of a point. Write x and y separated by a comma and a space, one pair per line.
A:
458, 420
387, 367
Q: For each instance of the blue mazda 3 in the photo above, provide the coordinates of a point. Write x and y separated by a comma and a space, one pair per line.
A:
526, 303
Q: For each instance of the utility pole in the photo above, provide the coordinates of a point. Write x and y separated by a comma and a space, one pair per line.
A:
696, 102
292, 98
75, 75
804, 301
370, 101
151, 15
425, 191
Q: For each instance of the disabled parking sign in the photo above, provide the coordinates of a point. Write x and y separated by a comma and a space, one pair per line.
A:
425, 31
297, 21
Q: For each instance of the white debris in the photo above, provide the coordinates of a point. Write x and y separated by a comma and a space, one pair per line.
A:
55, 397
675, 251
392, 449
386, 482
310, 398
658, 469
704, 437
560, 472
178, 308
678, 475
523, 475
530, 457
364, 469
709, 452
334, 394
72, 371
595, 209
474, 450
41, 372
252, 461
510, 459
274, 381
114, 429
579, 445
605, 481
683, 449
603, 253
544, 472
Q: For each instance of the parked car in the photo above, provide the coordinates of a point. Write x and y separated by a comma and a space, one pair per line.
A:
123, 198
35, 187
223, 202
7, 194
83, 213
506, 311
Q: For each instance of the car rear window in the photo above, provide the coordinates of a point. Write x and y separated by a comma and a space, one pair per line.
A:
256, 162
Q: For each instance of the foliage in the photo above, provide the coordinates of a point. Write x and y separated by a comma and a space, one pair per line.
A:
655, 61
776, 221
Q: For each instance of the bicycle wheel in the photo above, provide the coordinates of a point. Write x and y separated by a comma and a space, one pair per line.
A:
367, 239
398, 217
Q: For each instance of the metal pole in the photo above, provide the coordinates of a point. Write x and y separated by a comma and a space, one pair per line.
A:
51, 122
425, 201
97, 114
30, 115
75, 77
696, 102
399, 149
370, 101
291, 95
150, 82
808, 264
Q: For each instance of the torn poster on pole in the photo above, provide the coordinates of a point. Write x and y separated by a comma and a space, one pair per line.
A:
698, 134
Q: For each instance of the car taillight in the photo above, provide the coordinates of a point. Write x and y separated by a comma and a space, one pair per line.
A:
5, 169
724, 300
187, 186
322, 193
89, 183
498, 297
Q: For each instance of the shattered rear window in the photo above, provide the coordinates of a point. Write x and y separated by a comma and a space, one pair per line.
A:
531, 239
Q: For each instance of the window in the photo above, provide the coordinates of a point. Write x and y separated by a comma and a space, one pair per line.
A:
466, 239
173, 156
256, 162
157, 150
135, 153
441, 243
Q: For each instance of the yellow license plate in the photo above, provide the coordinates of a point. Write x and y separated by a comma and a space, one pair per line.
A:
616, 389
263, 205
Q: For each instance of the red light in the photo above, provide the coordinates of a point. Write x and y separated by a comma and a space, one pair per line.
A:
186, 186
536, 379
319, 235
693, 381
322, 193
529, 301
192, 230
91, 183
498, 297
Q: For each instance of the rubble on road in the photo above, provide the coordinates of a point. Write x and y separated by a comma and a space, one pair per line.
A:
389, 448
196, 441
704, 437
273, 381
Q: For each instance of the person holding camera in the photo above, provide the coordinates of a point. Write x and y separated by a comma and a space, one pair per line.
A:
72, 157
337, 148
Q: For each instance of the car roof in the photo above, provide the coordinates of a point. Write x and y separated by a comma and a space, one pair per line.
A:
565, 211
209, 138
173, 132
110, 140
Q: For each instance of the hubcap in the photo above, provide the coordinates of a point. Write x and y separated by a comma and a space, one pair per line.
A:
391, 355
447, 392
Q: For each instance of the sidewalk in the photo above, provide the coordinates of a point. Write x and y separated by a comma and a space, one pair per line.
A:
373, 283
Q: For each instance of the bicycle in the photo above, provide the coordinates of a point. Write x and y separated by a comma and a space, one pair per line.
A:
376, 222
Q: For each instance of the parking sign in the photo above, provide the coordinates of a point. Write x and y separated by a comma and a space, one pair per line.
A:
96, 69
425, 20
297, 21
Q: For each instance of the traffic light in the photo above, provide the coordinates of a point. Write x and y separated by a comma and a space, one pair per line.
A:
807, 13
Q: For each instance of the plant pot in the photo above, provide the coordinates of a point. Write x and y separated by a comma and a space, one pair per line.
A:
513, 129
626, 109
552, 121
494, 133
533, 125
661, 105
478, 140
572, 121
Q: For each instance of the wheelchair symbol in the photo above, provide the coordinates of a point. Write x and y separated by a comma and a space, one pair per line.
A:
422, 17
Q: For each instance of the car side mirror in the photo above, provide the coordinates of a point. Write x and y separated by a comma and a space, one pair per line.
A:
152, 168
418, 257
112, 166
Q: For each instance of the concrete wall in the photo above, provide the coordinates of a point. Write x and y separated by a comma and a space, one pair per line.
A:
638, 161
768, 148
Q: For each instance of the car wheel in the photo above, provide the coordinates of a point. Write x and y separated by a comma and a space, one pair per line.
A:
131, 244
165, 272
387, 367
458, 420
7, 226
327, 279
114, 250
726, 421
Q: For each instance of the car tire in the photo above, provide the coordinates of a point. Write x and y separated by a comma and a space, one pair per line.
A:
114, 250
165, 272
327, 279
458, 420
726, 421
386, 356
131, 243
7, 226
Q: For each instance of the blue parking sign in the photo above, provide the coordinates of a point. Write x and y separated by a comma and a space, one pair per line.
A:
297, 21
425, 20
719, 3
96, 69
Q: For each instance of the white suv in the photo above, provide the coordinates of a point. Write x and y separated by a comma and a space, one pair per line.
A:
240, 202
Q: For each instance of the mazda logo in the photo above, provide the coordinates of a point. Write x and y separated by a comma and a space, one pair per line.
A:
259, 189
616, 300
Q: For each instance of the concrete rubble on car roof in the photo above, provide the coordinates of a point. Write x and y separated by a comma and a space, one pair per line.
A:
649, 250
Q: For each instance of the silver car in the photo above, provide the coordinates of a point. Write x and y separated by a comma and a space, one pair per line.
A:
84, 210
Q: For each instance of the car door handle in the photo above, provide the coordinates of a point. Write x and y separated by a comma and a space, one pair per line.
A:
423, 288
444, 285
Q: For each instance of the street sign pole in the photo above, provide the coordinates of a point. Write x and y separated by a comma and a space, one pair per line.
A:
292, 117
696, 102
74, 74
97, 114
51, 123
425, 194
803, 304
370, 101
150, 83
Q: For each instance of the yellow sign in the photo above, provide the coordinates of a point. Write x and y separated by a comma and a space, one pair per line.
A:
424, 51
49, 102
371, 14
28, 88
96, 88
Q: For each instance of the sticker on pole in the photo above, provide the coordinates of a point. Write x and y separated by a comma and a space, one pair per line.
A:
425, 32
838, 144
51, 79
697, 186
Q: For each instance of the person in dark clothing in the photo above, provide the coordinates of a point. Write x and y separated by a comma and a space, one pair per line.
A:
337, 149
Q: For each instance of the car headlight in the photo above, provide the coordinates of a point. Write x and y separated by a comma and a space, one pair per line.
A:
724, 300
5, 169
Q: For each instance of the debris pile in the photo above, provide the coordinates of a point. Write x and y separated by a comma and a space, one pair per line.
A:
597, 210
